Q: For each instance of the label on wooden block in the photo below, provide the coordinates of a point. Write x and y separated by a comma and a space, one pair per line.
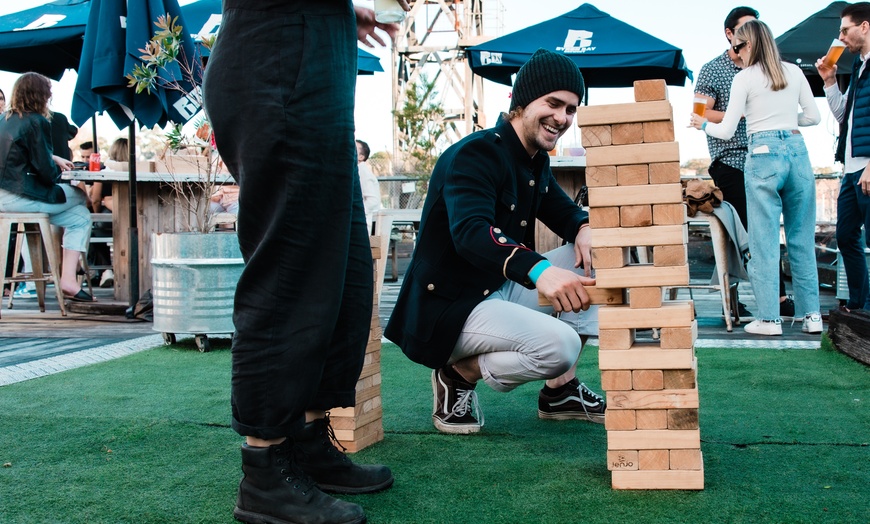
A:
654, 439
594, 136
635, 216
642, 275
633, 195
649, 90
623, 113
663, 399
652, 418
645, 297
633, 154
622, 134
601, 176
625, 460
610, 257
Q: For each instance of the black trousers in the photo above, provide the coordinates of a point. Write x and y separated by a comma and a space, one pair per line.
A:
730, 181
279, 92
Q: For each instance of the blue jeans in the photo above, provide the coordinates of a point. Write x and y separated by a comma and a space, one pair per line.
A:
73, 216
778, 170
853, 211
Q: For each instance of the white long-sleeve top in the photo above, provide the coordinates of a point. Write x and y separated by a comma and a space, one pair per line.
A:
837, 103
765, 109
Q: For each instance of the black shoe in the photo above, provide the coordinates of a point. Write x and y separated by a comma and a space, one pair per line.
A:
573, 401
455, 407
744, 314
275, 490
786, 308
331, 469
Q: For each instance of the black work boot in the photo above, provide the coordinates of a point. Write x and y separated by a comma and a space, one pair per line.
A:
274, 490
331, 469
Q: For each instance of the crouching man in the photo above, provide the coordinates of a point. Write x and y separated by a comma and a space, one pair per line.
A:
468, 307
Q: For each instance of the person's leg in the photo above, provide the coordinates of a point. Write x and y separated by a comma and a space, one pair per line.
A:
799, 219
764, 175
850, 217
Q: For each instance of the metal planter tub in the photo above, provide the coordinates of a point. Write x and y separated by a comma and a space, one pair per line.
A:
194, 277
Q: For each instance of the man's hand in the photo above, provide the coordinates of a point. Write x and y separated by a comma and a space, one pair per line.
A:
864, 181
583, 249
828, 74
366, 25
564, 289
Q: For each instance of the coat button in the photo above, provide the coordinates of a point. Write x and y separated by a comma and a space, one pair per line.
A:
502, 239
485, 292
531, 182
513, 206
523, 223
431, 287
496, 230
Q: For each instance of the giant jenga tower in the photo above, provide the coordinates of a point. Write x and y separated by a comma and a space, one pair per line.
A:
635, 200
362, 425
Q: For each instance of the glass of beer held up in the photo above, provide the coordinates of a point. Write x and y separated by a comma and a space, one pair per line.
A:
699, 106
834, 53
388, 12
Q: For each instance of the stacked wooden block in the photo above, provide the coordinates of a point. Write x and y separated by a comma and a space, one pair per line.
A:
362, 425
635, 200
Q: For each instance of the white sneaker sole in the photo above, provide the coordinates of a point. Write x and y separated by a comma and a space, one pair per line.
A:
448, 427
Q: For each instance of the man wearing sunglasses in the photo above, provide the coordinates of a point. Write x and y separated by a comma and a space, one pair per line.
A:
852, 110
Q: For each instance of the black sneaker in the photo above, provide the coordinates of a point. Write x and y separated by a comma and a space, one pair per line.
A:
455, 406
744, 314
786, 308
573, 401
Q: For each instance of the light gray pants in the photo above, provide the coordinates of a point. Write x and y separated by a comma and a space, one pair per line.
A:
519, 341
73, 215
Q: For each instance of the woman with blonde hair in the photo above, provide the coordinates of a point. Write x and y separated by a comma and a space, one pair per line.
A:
778, 171
30, 175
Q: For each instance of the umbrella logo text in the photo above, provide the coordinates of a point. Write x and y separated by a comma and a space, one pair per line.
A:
487, 58
577, 41
42, 22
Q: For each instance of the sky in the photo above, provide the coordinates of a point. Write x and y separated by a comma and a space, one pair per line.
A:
695, 27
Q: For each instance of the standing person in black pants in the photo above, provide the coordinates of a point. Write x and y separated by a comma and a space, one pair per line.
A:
279, 93
729, 156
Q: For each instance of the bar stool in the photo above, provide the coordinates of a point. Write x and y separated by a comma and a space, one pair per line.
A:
35, 225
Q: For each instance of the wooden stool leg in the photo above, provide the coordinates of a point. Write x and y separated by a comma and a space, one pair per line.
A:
53, 262
4, 255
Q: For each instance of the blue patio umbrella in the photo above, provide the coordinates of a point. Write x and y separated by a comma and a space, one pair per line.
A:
609, 52
46, 39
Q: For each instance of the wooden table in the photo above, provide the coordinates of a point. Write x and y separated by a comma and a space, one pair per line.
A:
157, 209
570, 174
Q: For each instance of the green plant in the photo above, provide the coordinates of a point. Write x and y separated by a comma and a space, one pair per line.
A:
421, 128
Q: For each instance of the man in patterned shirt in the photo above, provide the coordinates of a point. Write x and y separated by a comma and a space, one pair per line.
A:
728, 156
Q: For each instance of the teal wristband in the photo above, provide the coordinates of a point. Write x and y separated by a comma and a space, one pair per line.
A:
704, 125
537, 269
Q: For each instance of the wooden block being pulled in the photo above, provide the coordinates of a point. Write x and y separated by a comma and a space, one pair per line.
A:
624, 113
640, 236
594, 136
633, 154
673, 255
649, 358
597, 296
661, 131
643, 275
654, 439
632, 195
664, 173
685, 459
619, 419
653, 459
652, 418
622, 459
668, 214
661, 399
601, 176
616, 380
627, 133
615, 339
634, 216
603, 217
610, 257
647, 380
649, 90
682, 418
651, 479
645, 297
678, 313
632, 175
679, 337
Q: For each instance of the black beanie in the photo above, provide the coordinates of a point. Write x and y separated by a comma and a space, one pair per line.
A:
544, 73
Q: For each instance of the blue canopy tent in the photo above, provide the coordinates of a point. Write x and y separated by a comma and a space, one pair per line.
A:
804, 43
609, 52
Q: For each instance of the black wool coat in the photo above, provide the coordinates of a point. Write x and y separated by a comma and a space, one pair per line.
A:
476, 232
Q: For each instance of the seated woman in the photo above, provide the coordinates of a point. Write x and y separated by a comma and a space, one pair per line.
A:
30, 175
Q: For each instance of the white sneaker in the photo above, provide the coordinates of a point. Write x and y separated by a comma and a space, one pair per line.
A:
764, 327
812, 324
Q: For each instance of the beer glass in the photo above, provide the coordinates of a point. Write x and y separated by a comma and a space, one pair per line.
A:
834, 53
388, 12
699, 106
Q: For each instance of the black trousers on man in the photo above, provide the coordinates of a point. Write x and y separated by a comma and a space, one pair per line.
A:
279, 92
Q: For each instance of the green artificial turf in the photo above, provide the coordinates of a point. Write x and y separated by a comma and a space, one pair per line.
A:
146, 439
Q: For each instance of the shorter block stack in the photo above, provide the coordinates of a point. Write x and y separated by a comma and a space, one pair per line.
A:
362, 425
635, 199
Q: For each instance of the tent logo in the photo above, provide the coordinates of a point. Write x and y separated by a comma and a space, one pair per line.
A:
577, 41
487, 58
42, 22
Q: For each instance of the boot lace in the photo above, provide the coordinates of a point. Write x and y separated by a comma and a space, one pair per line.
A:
287, 457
